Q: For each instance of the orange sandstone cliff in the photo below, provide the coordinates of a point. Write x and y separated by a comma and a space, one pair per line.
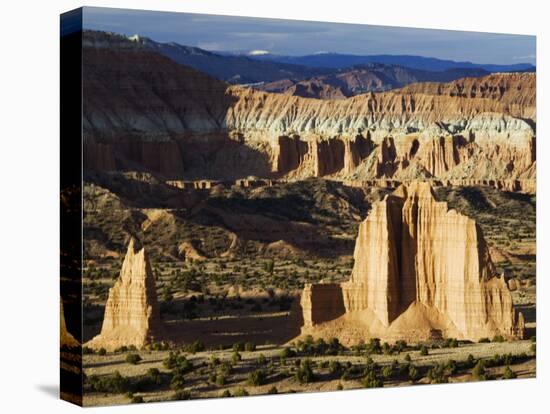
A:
143, 111
421, 271
131, 314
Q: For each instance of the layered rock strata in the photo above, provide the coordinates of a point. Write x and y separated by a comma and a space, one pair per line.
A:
132, 313
142, 110
421, 271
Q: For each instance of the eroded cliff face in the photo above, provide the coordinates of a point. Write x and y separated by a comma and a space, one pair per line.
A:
321, 302
421, 271
143, 111
131, 313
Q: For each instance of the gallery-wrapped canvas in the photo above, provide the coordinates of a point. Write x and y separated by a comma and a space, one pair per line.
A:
259, 206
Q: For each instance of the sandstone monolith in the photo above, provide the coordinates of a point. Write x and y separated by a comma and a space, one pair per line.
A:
421, 271
66, 339
131, 314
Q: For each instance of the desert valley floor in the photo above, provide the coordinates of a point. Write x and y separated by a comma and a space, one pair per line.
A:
234, 315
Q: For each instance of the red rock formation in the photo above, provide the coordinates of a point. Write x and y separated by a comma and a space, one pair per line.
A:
321, 302
131, 313
420, 270
153, 113
517, 90
66, 339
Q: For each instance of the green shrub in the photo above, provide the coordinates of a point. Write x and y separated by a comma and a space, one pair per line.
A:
182, 395
339, 387
479, 372
498, 338
451, 367
196, 346
484, 340
257, 377
240, 392
334, 367
400, 346
238, 347
87, 350
414, 374
273, 390
509, 374
372, 381
113, 384
287, 352
225, 394
177, 362
250, 346
451, 343
261, 360
269, 266
387, 372
177, 382
236, 357
423, 350
153, 375
374, 346
136, 399
226, 367
408, 358
437, 374
133, 359
304, 374
102, 351
220, 379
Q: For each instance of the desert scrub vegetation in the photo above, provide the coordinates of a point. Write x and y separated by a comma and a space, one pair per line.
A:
304, 374
508, 373
257, 377
240, 392
181, 395
318, 347
116, 383
371, 379
479, 372
133, 359
194, 347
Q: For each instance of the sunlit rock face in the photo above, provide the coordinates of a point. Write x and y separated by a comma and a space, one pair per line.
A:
131, 314
144, 111
421, 271
66, 339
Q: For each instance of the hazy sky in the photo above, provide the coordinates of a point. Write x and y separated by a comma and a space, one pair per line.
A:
291, 37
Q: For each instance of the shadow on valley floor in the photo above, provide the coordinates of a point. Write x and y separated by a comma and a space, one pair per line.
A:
262, 328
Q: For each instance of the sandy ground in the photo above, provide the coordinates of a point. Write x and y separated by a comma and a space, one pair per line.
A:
200, 387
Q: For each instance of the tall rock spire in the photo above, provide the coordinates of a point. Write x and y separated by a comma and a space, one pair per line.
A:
131, 314
65, 337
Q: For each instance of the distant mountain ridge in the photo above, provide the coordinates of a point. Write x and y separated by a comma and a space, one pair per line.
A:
263, 71
339, 61
372, 77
